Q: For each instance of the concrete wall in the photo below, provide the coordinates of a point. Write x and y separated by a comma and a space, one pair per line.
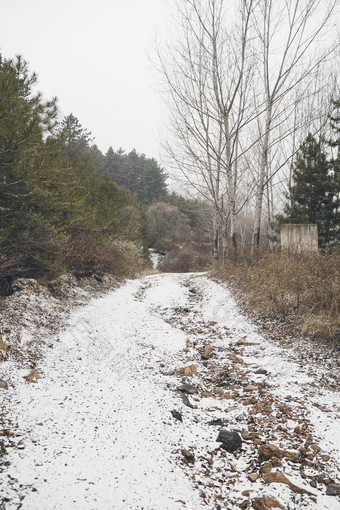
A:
299, 238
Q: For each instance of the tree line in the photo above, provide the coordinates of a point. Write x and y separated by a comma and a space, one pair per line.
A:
66, 206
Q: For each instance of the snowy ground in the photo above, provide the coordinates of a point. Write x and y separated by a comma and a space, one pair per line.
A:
96, 430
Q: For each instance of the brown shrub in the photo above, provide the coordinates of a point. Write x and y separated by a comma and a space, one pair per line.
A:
302, 287
185, 260
85, 257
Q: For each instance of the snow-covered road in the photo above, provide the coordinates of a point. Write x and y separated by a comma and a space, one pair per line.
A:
97, 432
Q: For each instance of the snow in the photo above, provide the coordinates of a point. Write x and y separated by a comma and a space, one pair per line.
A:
156, 257
96, 431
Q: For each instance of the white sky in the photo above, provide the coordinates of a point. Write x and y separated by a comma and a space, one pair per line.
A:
93, 55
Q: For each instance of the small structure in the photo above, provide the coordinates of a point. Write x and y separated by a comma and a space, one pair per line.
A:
299, 238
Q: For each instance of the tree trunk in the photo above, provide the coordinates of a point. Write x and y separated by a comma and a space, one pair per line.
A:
261, 183
215, 245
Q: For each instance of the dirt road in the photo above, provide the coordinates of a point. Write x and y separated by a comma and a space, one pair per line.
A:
107, 427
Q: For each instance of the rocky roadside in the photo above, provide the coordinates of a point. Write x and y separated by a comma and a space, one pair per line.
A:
268, 452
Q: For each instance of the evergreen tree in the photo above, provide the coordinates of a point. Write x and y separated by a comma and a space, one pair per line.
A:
196, 211
76, 139
77, 144
54, 202
313, 195
335, 147
24, 120
142, 176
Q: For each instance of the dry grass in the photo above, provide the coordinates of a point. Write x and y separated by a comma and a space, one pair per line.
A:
303, 289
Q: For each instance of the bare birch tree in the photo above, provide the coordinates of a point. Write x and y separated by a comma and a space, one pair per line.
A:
235, 91
208, 80
287, 34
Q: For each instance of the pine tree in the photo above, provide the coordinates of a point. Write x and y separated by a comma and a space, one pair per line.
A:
77, 144
24, 120
142, 176
53, 200
313, 193
335, 147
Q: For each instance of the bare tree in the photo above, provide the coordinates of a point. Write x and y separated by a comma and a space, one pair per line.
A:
287, 36
208, 79
241, 84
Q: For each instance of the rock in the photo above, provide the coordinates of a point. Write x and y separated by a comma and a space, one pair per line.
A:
276, 477
266, 503
207, 351
261, 371
187, 402
253, 477
250, 388
231, 440
177, 415
216, 421
187, 388
3, 385
193, 291
188, 371
325, 457
3, 347
206, 394
32, 377
188, 456
333, 489
3, 450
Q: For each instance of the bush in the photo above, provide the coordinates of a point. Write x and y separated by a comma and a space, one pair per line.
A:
127, 258
85, 257
303, 288
31, 248
186, 260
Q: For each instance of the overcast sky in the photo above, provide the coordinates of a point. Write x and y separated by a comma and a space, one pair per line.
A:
93, 55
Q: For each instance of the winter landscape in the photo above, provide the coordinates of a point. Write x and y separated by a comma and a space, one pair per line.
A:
170, 255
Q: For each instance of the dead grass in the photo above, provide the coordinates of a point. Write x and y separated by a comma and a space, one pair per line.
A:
302, 289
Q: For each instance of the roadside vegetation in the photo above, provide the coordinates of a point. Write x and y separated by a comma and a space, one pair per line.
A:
300, 292
67, 207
